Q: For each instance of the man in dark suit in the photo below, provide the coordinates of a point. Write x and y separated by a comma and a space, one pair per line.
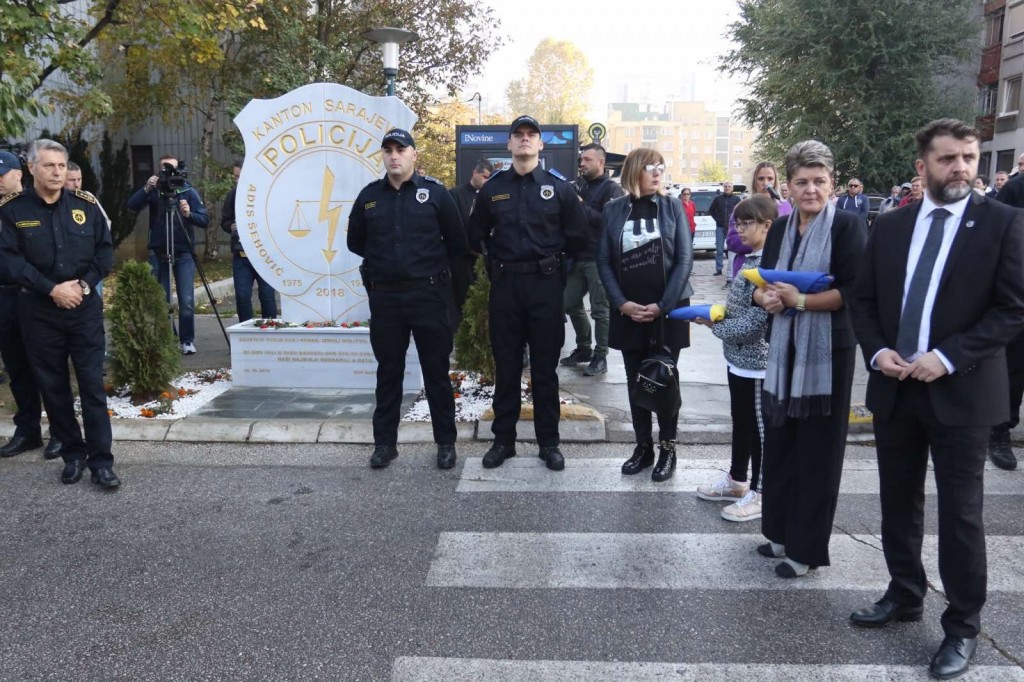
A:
939, 294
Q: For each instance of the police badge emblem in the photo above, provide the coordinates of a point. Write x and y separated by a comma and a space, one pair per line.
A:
547, 191
78, 216
422, 195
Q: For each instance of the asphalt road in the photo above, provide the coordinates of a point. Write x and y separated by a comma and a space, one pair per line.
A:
298, 562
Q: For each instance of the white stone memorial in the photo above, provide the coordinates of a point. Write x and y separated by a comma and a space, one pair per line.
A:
307, 155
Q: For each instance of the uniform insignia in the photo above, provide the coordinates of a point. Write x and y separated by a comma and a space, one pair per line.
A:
422, 195
500, 197
368, 205
433, 179
78, 215
21, 224
85, 195
9, 197
557, 174
546, 192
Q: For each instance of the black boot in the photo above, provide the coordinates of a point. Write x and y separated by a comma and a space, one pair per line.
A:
666, 465
643, 457
999, 449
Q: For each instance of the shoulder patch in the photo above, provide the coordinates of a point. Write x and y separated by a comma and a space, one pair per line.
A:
85, 195
496, 174
433, 179
554, 171
9, 197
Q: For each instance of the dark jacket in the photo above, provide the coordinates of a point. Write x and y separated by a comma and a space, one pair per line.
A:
184, 233
848, 237
859, 204
722, 207
595, 195
978, 308
675, 237
227, 219
42, 245
1012, 192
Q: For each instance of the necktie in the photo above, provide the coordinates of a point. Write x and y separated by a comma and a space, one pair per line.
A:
913, 308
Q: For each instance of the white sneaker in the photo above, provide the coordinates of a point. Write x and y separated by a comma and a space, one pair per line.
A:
747, 509
723, 489
188, 349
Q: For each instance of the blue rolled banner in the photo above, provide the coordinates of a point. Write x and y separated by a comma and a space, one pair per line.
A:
805, 282
713, 312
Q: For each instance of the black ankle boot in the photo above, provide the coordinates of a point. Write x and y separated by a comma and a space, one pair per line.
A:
643, 457
1000, 450
666, 465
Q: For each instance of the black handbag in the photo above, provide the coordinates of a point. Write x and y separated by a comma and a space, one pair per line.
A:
657, 380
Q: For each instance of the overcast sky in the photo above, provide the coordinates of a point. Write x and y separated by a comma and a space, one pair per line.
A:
661, 49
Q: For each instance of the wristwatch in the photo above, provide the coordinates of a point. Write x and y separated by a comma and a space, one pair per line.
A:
801, 302
85, 287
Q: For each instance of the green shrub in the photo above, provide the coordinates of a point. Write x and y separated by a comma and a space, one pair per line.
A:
473, 339
146, 356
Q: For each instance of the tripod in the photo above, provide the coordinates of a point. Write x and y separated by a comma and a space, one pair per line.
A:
170, 215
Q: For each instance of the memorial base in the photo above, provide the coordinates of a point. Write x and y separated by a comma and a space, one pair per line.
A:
321, 357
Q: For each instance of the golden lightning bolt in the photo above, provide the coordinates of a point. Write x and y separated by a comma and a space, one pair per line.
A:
331, 215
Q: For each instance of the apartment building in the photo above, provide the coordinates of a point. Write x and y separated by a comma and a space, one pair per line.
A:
687, 134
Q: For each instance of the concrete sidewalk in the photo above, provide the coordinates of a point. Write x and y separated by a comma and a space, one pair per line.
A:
297, 415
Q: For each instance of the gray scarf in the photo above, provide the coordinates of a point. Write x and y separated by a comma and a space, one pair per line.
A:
807, 391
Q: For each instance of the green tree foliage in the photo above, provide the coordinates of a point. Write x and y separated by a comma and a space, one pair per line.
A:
473, 338
860, 76
115, 173
145, 355
320, 42
557, 85
38, 37
712, 171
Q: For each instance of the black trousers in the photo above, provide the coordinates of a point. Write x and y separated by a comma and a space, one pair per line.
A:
958, 454
1015, 365
747, 429
526, 308
52, 336
15, 357
803, 463
643, 428
428, 314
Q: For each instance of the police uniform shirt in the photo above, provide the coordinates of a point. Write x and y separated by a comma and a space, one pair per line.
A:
412, 232
43, 244
527, 217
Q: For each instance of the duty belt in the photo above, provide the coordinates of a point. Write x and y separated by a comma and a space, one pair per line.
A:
545, 265
409, 284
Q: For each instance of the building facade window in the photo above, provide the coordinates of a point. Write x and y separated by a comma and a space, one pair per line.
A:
649, 134
994, 29
1011, 95
987, 98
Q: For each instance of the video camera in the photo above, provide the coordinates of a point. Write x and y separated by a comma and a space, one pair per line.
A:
171, 180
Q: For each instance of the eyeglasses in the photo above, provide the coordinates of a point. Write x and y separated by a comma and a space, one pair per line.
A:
744, 225
853, 184
686, 194
651, 168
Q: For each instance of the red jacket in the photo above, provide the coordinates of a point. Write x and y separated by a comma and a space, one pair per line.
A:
690, 209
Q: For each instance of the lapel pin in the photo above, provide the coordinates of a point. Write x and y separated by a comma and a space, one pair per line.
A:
969, 223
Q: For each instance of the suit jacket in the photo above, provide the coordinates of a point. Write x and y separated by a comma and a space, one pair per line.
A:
978, 308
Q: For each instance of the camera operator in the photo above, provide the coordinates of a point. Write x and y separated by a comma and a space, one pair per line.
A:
167, 190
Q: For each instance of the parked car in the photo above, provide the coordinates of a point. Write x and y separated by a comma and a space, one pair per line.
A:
873, 208
702, 195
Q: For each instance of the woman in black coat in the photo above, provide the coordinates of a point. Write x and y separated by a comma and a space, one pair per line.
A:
644, 259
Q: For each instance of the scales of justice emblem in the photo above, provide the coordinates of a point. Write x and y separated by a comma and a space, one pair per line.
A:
307, 155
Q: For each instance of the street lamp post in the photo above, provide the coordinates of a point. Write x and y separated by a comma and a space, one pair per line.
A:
476, 96
390, 39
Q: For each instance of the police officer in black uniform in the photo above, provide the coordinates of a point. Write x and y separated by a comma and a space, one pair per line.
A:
408, 230
56, 245
525, 218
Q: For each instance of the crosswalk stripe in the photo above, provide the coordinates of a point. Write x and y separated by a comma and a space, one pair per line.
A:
677, 562
528, 474
424, 669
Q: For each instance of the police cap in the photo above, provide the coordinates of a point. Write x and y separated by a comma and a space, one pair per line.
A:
524, 121
398, 136
8, 162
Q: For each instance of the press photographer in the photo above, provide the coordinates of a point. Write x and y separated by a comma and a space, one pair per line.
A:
175, 209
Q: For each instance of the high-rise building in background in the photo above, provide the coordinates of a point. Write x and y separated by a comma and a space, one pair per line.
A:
687, 134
